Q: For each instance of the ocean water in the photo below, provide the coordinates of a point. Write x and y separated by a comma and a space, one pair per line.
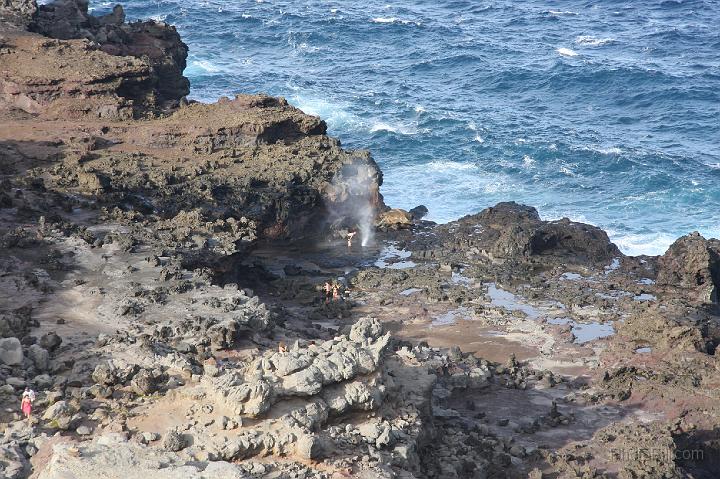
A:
603, 112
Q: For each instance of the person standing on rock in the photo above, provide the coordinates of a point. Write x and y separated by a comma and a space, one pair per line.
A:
26, 404
351, 234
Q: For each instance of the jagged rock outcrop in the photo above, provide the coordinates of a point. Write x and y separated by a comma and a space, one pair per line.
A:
692, 263
521, 234
510, 232
16, 14
113, 456
303, 372
103, 68
13, 463
156, 43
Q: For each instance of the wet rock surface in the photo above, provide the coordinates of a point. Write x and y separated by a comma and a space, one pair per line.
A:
161, 289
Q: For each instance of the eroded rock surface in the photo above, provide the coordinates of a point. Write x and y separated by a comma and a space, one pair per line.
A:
156, 294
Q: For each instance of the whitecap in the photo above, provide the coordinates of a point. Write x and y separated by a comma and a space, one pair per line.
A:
604, 150
565, 170
335, 114
638, 244
561, 12
592, 41
528, 161
566, 52
439, 165
394, 20
206, 65
304, 47
479, 139
400, 129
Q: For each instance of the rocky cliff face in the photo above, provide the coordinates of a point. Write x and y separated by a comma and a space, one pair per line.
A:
253, 159
103, 68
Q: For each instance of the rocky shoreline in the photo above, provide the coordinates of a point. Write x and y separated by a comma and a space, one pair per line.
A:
161, 265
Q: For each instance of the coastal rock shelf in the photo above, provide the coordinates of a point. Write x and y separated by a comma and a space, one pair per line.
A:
162, 273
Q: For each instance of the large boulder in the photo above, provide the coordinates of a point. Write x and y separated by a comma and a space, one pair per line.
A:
520, 234
692, 263
50, 341
15, 323
174, 441
11, 352
61, 415
394, 219
40, 357
144, 383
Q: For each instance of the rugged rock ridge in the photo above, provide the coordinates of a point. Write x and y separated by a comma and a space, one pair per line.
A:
510, 232
140, 73
249, 168
17, 13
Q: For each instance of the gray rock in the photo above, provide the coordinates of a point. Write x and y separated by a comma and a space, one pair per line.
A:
174, 441
50, 341
60, 415
105, 374
43, 381
40, 357
308, 447
144, 383
84, 431
15, 382
7, 389
11, 352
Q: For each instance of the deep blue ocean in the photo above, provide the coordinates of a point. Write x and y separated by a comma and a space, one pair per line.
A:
604, 112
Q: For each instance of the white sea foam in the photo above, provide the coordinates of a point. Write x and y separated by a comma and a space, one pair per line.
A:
335, 114
479, 139
528, 161
638, 244
439, 165
567, 171
613, 150
394, 20
206, 65
399, 128
591, 41
561, 12
566, 52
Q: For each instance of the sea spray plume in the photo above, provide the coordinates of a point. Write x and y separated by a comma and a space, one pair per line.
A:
353, 198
